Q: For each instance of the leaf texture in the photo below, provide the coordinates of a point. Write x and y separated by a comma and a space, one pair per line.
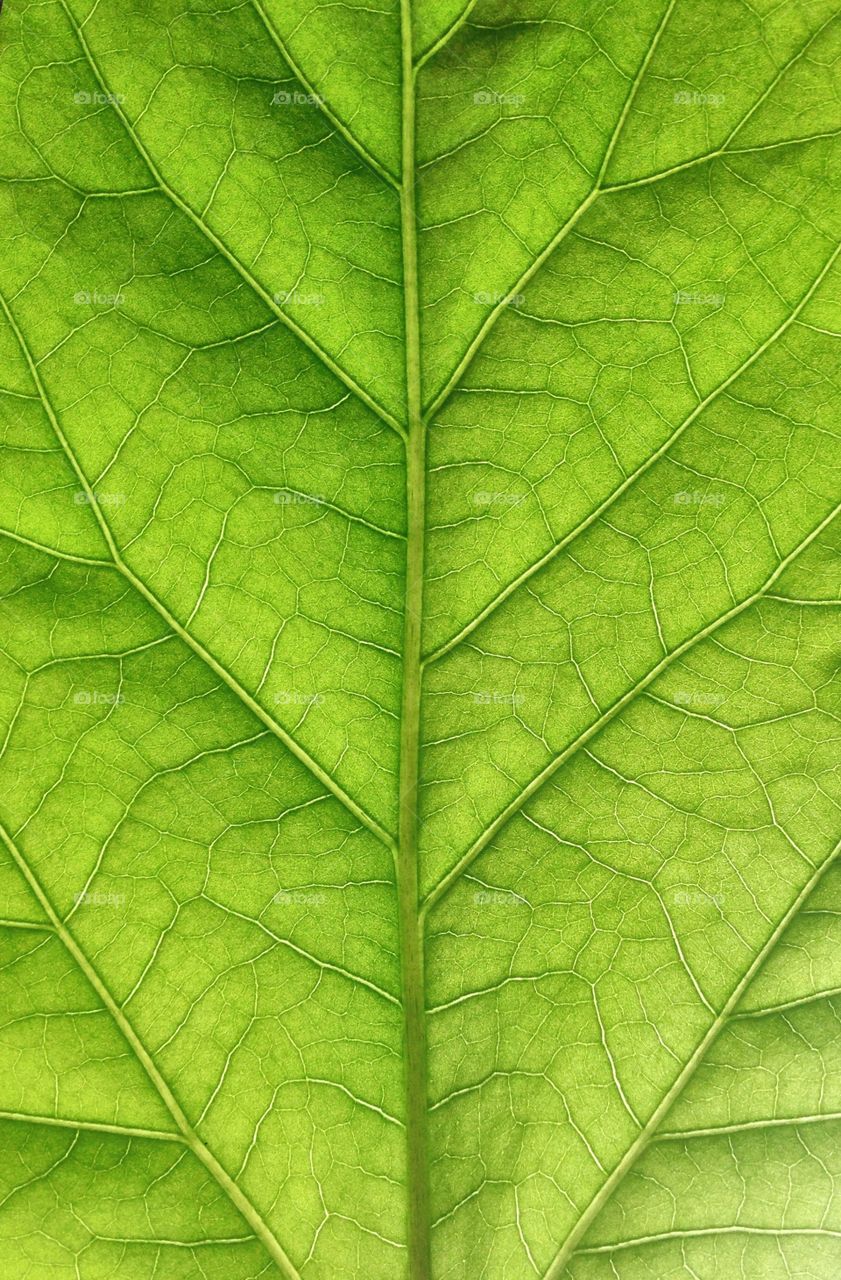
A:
419, 571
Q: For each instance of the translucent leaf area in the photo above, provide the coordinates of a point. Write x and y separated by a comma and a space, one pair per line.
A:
419, 700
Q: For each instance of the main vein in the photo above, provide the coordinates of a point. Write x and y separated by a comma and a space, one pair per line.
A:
411, 935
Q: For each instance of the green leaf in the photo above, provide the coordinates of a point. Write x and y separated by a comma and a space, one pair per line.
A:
418, 690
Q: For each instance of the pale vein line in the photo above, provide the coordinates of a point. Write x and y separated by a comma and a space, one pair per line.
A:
356, 144
641, 470
205, 1242
53, 551
443, 40
694, 1233
638, 79
807, 604
31, 925
493, 315
531, 271
324, 965
445, 884
611, 1060
354, 1097
221, 248
784, 69
244, 696
234, 1193
648, 885
558, 1265
769, 1011
781, 1122
92, 1126
718, 153
600, 189
725, 148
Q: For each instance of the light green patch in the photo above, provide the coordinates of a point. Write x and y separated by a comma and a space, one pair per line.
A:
419, 564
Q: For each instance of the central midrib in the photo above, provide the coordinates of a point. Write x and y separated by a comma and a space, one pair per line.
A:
411, 938
411, 914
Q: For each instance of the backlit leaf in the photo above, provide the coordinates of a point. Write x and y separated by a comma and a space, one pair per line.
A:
418, 653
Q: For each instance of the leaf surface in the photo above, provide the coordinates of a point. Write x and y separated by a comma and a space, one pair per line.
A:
418, 685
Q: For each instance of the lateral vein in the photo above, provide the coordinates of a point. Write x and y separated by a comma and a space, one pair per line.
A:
172, 622
221, 248
482, 842
443, 40
641, 1143
234, 1193
93, 1126
356, 144
636, 475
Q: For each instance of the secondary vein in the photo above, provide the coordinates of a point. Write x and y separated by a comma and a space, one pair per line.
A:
172, 622
234, 1193
356, 144
490, 832
636, 475
559, 1263
219, 245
